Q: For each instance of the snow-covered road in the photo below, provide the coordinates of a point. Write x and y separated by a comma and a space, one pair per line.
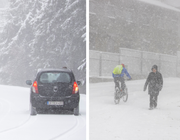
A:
132, 120
17, 124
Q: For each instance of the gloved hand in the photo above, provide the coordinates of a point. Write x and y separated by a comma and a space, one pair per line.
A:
159, 87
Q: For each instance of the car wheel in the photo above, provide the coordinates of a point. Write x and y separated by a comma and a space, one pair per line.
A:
33, 111
76, 110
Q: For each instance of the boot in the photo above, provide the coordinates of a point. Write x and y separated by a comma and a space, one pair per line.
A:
151, 108
123, 92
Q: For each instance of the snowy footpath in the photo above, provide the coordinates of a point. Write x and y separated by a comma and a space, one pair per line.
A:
132, 120
17, 124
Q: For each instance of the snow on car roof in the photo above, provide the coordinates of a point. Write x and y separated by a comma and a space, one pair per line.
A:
52, 69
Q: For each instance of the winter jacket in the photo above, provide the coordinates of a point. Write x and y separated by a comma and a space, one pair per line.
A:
154, 83
121, 72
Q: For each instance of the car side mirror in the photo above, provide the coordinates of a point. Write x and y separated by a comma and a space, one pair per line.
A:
28, 82
79, 83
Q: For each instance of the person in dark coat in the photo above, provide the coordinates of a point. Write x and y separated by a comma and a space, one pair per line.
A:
155, 84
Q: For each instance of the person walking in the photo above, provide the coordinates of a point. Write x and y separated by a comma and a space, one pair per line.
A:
154, 82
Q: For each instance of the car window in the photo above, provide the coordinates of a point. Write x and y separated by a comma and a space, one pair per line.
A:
53, 77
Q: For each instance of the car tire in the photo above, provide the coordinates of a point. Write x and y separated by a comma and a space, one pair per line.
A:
76, 110
33, 111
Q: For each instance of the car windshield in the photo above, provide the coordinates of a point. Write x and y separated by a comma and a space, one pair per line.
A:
53, 77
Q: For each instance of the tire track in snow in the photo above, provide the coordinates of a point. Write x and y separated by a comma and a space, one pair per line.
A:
67, 131
9, 109
81, 121
7, 114
18, 126
76, 127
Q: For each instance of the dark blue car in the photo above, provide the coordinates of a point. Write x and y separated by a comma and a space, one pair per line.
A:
54, 89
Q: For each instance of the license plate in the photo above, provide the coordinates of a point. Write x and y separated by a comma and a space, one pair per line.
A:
55, 103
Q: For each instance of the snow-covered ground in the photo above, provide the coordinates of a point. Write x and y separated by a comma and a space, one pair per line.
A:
17, 124
161, 4
132, 120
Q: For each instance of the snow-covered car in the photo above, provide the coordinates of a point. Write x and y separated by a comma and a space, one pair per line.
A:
54, 89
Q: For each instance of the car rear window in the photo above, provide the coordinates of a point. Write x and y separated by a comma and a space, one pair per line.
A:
53, 77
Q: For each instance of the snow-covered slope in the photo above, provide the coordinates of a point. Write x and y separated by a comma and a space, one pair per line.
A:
132, 120
161, 4
174, 3
16, 123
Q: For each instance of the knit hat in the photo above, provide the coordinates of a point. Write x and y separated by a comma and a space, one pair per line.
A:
154, 67
123, 65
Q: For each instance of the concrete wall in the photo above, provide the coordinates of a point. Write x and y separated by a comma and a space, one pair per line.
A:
178, 63
138, 64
